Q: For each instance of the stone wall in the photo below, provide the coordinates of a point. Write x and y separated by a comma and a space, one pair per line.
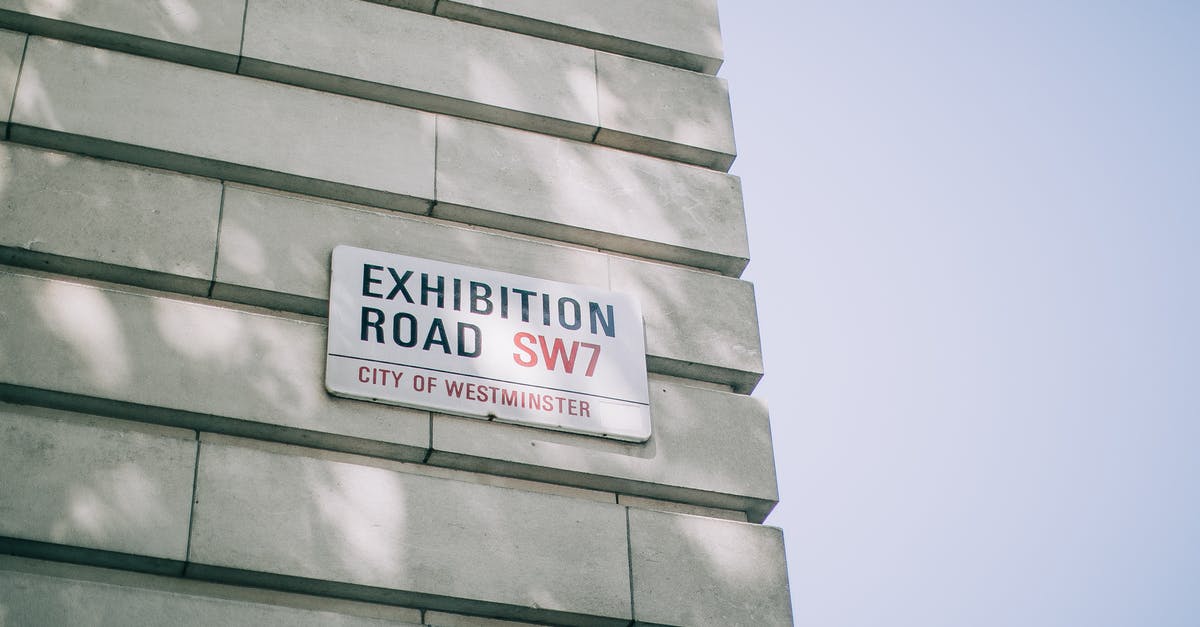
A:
173, 179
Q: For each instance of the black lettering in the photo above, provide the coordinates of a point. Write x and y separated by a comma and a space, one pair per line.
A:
594, 312
397, 335
399, 287
367, 323
562, 313
462, 340
427, 289
480, 293
525, 294
438, 329
368, 280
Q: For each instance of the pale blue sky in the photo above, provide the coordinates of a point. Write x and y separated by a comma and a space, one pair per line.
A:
975, 235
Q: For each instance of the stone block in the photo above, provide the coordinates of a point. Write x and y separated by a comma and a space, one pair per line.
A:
370, 532
12, 50
205, 33
107, 220
422, 61
691, 570
199, 121
664, 111
187, 363
683, 33
698, 325
275, 248
708, 448
592, 195
34, 592
96, 483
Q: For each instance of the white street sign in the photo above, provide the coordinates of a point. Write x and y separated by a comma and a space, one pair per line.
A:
492, 345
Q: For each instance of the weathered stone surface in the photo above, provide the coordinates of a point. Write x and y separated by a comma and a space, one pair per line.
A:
368, 531
94, 482
698, 325
12, 49
586, 194
691, 570
707, 447
205, 33
34, 592
214, 124
192, 364
275, 248
107, 220
685, 33
658, 110
424, 61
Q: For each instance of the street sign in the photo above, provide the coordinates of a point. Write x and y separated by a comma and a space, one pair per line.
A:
486, 344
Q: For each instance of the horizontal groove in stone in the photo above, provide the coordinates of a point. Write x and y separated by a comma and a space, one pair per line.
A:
92, 482
260, 227
91, 557
107, 220
592, 195
142, 36
222, 118
413, 539
737, 424
40, 592
387, 596
683, 214
425, 101
671, 36
157, 229
420, 60
122, 410
213, 168
121, 41
648, 108
690, 570
257, 373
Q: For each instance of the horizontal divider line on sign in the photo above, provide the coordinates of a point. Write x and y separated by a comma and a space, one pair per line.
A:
472, 376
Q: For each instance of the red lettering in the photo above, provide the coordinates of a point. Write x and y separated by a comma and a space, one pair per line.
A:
508, 397
557, 351
591, 369
530, 359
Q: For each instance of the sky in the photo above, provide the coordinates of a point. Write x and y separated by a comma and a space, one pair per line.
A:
975, 241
